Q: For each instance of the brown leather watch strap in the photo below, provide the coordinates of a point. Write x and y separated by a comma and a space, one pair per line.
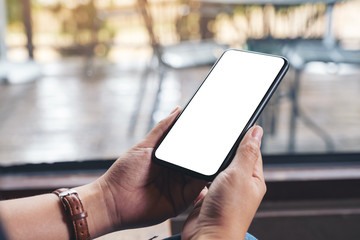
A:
75, 211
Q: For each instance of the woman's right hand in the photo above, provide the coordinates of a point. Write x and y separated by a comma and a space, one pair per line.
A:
226, 209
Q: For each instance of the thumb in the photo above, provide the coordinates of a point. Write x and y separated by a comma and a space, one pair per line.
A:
158, 131
200, 198
197, 205
248, 151
190, 225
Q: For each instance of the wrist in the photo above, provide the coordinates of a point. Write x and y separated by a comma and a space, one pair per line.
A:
219, 235
221, 231
94, 202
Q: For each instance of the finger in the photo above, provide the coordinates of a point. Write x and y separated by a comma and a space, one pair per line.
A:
158, 131
190, 225
248, 152
201, 196
258, 169
192, 188
197, 206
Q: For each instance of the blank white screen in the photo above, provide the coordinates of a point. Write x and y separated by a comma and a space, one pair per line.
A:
204, 134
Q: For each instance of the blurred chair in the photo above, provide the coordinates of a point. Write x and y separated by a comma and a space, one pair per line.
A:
181, 55
300, 52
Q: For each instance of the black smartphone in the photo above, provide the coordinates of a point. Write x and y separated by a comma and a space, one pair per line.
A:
203, 139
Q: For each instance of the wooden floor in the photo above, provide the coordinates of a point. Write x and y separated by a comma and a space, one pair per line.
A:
66, 115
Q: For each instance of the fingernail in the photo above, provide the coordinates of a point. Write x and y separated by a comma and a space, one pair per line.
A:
175, 109
257, 133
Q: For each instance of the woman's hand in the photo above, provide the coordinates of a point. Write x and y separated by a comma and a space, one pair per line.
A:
226, 209
138, 192
133, 192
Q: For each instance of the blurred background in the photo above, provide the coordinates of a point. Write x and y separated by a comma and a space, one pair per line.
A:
83, 80
72, 73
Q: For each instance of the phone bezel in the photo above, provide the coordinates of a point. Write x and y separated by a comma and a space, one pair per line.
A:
249, 124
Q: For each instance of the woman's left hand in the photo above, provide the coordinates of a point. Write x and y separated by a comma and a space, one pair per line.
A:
138, 192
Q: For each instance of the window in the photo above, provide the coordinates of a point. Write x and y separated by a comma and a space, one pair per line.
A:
89, 57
